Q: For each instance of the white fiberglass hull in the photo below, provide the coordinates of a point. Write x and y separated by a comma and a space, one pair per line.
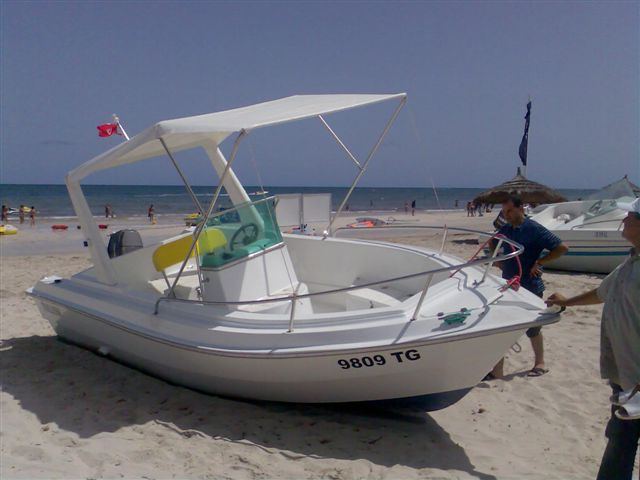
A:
591, 229
595, 251
435, 369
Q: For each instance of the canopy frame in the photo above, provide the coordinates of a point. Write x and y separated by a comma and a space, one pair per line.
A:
209, 131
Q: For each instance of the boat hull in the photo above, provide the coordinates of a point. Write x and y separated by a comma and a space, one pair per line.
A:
595, 251
431, 375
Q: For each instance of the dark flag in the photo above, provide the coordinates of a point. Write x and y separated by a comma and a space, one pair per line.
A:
525, 138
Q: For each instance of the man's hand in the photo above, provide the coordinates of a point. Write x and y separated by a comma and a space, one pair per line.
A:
535, 271
556, 299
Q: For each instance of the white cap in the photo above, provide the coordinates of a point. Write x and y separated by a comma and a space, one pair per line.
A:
633, 206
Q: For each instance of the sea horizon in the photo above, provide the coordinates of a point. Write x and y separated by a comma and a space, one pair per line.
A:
52, 200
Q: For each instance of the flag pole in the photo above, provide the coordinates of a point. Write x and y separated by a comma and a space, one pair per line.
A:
528, 119
116, 120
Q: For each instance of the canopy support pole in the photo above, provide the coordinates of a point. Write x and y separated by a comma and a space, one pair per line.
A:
104, 270
403, 101
184, 179
201, 225
342, 145
237, 194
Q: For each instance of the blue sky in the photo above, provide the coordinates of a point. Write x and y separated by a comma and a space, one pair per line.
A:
468, 68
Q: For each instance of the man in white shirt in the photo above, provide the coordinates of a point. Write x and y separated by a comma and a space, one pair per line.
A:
619, 347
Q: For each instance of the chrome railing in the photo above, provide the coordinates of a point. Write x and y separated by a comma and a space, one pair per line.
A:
294, 297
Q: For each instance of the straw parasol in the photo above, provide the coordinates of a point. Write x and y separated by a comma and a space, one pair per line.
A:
528, 191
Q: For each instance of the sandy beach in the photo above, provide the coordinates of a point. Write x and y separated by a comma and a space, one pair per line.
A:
68, 413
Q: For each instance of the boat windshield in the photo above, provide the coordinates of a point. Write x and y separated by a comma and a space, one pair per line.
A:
232, 234
599, 208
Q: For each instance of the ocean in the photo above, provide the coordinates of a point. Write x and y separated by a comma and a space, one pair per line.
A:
133, 200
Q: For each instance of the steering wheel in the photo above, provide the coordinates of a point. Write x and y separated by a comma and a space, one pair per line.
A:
245, 235
596, 207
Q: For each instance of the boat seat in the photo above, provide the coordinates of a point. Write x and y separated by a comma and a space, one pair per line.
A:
186, 290
175, 251
368, 298
303, 305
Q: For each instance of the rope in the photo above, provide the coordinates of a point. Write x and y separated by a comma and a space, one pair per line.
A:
255, 165
414, 127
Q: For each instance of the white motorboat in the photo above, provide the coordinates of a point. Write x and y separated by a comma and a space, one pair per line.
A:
592, 229
236, 308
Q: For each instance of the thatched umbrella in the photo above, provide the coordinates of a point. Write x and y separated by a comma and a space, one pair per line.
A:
530, 192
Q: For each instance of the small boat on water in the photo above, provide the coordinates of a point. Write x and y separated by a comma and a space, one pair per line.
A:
234, 307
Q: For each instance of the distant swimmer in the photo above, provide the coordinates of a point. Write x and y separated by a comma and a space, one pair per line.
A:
5, 213
21, 213
151, 214
32, 216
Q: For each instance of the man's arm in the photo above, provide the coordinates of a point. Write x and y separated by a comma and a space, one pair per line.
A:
586, 298
552, 255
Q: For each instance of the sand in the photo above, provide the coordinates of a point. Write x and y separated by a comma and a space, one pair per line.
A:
67, 413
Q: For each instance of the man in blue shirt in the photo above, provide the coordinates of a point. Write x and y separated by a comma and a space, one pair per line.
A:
535, 239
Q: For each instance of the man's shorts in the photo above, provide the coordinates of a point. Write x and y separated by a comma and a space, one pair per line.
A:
534, 331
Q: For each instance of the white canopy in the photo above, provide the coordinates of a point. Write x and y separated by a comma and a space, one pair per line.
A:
213, 128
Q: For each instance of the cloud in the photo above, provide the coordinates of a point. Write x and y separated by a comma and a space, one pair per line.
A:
57, 142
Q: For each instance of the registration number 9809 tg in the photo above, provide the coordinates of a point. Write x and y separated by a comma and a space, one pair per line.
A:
378, 359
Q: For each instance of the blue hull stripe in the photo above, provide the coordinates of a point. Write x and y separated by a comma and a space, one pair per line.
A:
626, 247
596, 254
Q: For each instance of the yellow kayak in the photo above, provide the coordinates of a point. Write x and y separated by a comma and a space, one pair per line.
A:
8, 230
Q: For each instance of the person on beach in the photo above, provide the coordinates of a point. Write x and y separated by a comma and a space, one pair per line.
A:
151, 214
5, 214
499, 221
619, 346
21, 213
32, 216
413, 208
535, 239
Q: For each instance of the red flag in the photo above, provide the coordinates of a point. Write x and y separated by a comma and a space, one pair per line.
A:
108, 129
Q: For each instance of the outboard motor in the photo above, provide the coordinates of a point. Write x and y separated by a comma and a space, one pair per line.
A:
123, 241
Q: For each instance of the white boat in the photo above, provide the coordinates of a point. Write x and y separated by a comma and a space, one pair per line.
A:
592, 229
235, 308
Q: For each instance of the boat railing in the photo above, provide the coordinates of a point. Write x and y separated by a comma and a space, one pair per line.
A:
587, 226
488, 261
